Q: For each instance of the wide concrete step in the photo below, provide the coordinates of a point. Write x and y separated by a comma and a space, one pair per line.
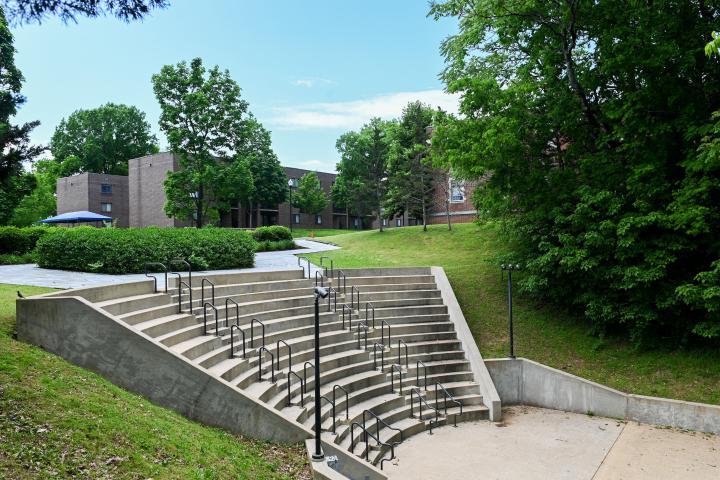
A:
251, 308
395, 287
164, 325
408, 311
389, 280
145, 314
226, 278
376, 296
119, 306
385, 271
223, 300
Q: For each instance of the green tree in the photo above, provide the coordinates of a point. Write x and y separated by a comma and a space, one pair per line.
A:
410, 170
208, 126
363, 166
40, 203
15, 147
340, 193
271, 187
310, 197
583, 119
28, 11
102, 140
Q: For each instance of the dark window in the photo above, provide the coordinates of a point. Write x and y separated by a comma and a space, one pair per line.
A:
296, 218
106, 207
318, 219
106, 188
398, 222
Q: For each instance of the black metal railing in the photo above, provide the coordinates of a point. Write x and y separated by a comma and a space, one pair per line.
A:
382, 356
227, 310
347, 399
332, 403
447, 396
302, 388
184, 262
277, 352
345, 307
382, 332
332, 295
272, 363
309, 270
332, 268
402, 342
232, 340
379, 421
393, 368
341, 274
367, 447
180, 285
165, 270
421, 401
305, 365
215, 310
353, 295
319, 276
204, 282
417, 373
252, 332
369, 304
364, 328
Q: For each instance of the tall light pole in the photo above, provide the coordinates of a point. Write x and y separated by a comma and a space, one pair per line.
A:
509, 268
290, 187
320, 292
197, 197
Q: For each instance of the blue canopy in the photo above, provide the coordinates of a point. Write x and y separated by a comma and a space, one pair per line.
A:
75, 217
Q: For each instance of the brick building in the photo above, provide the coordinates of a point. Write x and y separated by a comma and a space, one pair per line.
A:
95, 192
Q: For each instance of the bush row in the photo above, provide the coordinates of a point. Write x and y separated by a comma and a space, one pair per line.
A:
271, 246
275, 233
115, 250
17, 241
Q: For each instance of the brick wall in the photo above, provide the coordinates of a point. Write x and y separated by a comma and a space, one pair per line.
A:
85, 192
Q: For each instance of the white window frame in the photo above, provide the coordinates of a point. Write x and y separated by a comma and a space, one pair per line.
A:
459, 186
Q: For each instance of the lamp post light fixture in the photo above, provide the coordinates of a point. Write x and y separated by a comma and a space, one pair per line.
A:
320, 292
509, 268
197, 196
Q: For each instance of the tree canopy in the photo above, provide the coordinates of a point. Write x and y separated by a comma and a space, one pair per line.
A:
29, 11
310, 197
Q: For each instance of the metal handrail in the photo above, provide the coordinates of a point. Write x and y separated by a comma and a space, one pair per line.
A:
332, 268
382, 355
373, 313
445, 399
332, 294
322, 281
367, 449
365, 329
202, 290
277, 351
354, 289
302, 389
305, 365
345, 306
394, 367
382, 332
232, 340
417, 373
421, 401
299, 259
180, 285
272, 363
347, 399
344, 277
165, 269
331, 402
402, 342
205, 305
182, 260
308, 266
227, 310
378, 421
252, 332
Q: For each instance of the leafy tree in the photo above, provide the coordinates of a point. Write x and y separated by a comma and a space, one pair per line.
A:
410, 170
340, 193
271, 187
102, 140
41, 202
208, 126
310, 197
15, 147
28, 11
584, 121
363, 166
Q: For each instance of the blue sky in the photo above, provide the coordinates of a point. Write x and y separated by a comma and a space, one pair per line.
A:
311, 70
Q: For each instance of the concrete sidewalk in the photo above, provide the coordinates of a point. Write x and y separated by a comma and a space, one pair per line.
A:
43, 277
537, 444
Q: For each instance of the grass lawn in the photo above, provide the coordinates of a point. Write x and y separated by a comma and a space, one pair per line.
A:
58, 420
541, 333
317, 232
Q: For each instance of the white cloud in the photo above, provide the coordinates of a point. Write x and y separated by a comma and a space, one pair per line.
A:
353, 114
312, 163
312, 82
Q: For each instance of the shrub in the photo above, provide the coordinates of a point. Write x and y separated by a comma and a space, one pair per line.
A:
269, 246
275, 233
16, 241
114, 250
11, 259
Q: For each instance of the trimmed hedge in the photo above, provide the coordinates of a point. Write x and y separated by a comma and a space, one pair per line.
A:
275, 233
17, 241
126, 250
269, 246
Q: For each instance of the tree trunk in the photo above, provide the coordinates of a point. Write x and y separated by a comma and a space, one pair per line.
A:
198, 207
424, 210
347, 218
447, 213
257, 215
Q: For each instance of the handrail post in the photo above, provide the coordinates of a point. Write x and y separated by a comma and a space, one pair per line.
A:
417, 373
165, 270
366, 312
252, 332
394, 367
345, 306
202, 290
365, 330
232, 340
382, 332
227, 310
302, 391
217, 327
402, 342
272, 363
305, 365
277, 352
347, 400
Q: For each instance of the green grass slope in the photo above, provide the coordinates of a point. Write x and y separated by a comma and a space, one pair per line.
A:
467, 254
61, 421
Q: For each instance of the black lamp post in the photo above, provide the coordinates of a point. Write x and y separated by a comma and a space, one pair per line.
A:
290, 187
509, 268
320, 292
197, 198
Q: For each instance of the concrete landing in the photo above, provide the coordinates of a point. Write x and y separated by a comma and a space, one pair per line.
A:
533, 444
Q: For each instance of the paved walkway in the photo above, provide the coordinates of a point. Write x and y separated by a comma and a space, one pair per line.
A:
537, 444
42, 277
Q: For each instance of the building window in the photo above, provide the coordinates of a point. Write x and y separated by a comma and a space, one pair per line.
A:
106, 188
296, 218
457, 191
106, 207
398, 222
294, 182
318, 219
384, 222
357, 223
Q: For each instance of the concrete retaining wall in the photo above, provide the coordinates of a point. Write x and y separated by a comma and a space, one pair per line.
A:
522, 381
89, 337
491, 398
347, 467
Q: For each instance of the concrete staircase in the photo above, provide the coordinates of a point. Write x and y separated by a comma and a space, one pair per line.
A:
383, 352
